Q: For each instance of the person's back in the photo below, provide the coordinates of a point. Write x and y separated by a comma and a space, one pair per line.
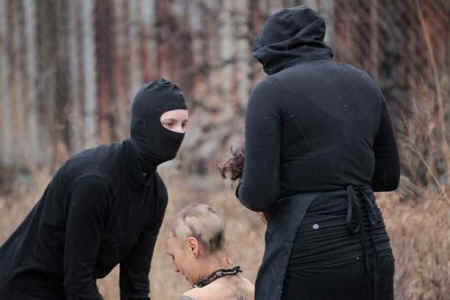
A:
225, 288
318, 142
331, 113
45, 247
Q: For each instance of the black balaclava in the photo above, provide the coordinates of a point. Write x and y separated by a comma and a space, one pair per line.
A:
154, 143
291, 36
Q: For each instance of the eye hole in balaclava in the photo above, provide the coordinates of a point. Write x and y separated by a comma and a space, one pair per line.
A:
175, 120
154, 143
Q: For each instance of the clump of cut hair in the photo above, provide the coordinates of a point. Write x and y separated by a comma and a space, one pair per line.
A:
232, 168
202, 222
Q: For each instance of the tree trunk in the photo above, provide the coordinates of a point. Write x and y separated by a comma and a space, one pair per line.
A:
122, 68
90, 86
30, 37
135, 58
104, 33
76, 124
62, 103
5, 55
148, 46
46, 84
17, 84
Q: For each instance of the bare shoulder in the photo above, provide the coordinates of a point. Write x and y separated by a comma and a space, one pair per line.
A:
194, 294
245, 289
238, 288
212, 291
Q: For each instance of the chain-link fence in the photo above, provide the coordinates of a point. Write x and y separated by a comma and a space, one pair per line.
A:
70, 68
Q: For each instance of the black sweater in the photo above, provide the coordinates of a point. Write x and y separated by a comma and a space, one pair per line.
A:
98, 211
316, 126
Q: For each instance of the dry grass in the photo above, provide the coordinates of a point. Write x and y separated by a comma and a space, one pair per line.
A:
419, 231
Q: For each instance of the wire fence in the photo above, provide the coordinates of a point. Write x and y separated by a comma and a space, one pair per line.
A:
69, 70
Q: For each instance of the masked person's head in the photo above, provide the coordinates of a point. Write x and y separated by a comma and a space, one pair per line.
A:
196, 242
158, 120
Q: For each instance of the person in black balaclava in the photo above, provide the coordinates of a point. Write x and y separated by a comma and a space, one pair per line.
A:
318, 142
146, 124
103, 207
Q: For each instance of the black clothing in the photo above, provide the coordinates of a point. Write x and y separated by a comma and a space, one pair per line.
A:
97, 211
325, 255
149, 104
316, 130
340, 282
289, 37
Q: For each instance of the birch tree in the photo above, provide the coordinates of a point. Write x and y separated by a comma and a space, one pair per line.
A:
76, 126
17, 82
122, 67
4, 81
148, 45
30, 41
135, 57
90, 86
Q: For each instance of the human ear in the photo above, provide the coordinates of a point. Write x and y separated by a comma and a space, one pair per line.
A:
192, 245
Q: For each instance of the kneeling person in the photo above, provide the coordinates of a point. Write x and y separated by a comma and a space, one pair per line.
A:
196, 245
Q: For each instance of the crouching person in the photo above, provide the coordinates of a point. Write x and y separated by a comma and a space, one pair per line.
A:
196, 244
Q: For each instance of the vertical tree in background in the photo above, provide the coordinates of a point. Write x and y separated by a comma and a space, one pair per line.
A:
121, 68
31, 75
104, 53
46, 68
147, 42
89, 72
5, 55
76, 124
16, 78
63, 80
135, 36
165, 28
185, 62
241, 57
255, 21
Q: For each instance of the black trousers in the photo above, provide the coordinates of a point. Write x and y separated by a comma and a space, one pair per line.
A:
332, 261
32, 286
348, 282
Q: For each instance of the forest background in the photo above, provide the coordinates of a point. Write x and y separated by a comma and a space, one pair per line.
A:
69, 70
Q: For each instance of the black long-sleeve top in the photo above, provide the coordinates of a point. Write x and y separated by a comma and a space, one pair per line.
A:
98, 211
316, 125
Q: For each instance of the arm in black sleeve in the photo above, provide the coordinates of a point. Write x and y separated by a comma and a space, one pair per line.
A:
260, 184
84, 226
387, 162
135, 269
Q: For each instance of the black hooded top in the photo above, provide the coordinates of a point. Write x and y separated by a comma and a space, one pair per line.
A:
99, 210
313, 124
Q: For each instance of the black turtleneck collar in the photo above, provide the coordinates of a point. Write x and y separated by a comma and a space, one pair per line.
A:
291, 36
133, 166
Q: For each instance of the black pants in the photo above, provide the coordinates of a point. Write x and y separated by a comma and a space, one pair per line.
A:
32, 286
348, 282
330, 262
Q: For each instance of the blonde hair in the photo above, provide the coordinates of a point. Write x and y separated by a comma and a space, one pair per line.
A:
202, 222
